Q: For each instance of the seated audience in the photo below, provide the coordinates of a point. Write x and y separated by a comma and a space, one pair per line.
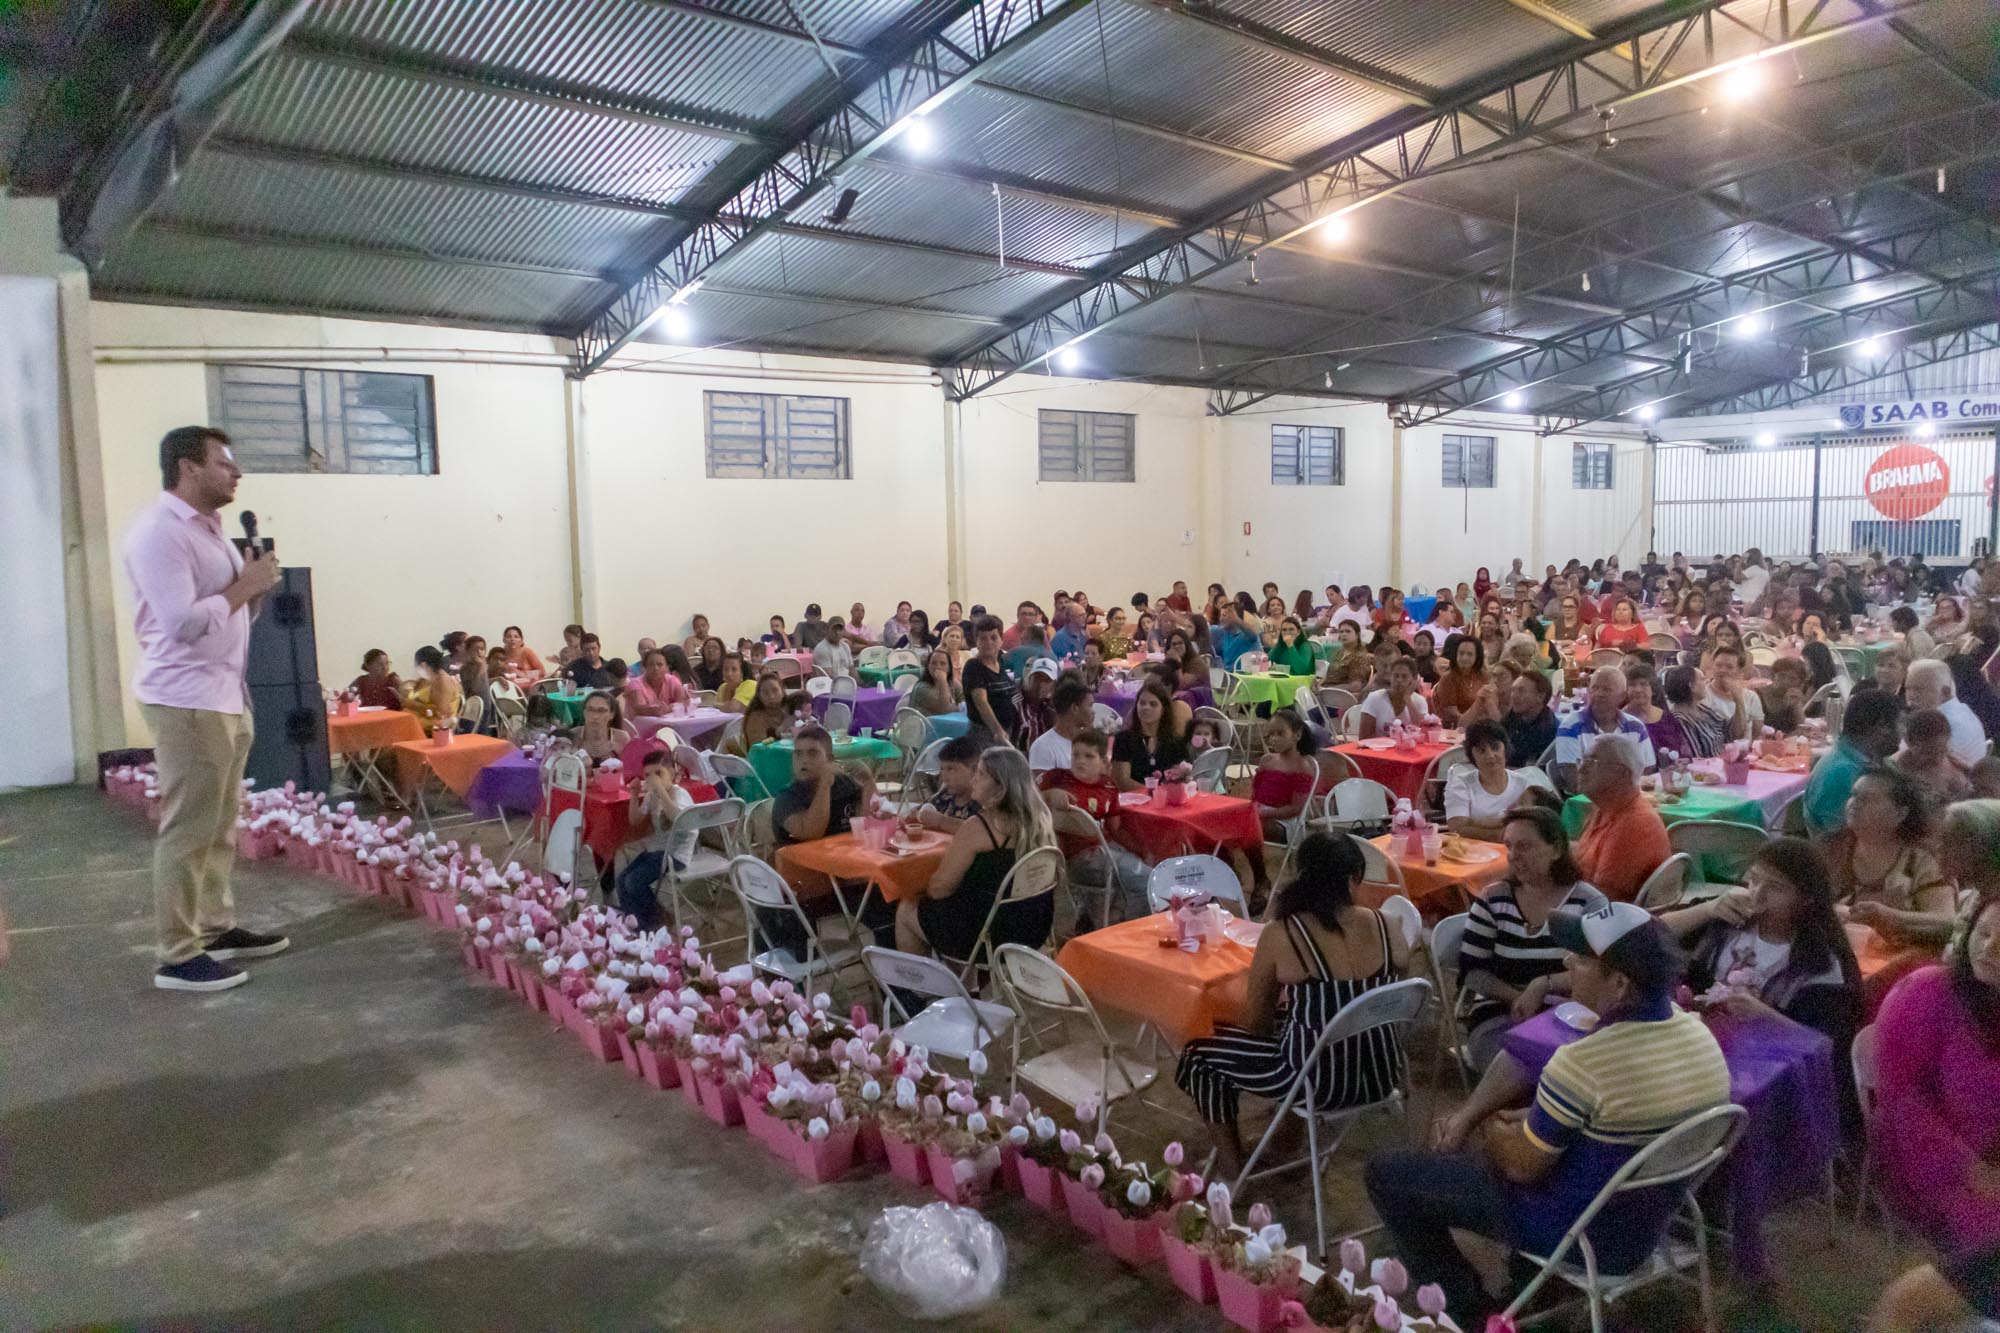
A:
583, 670
953, 802
1776, 946
1528, 720
1926, 759
1706, 722
1930, 686
1663, 729
1287, 773
434, 696
1623, 839
1917, 640
658, 800
770, 712
377, 686
1087, 785
657, 691
1116, 640
708, 665
602, 734
1460, 680
572, 645
1868, 735
1292, 654
1320, 951
735, 690
775, 639
1646, 1067
698, 635
1603, 714
896, 629
1155, 740
1623, 631
811, 629
1884, 871
1038, 714
1398, 701
1731, 691
474, 682
1012, 821
833, 654
1349, 666
860, 634
1072, 706
1936, 1130
1479, 795
1784, 699
937, 690
1509, 967
822, 800
523, 663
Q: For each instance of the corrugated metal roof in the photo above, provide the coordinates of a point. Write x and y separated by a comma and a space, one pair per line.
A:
231, 271
877, 276
219, 189
295, 101
1436, 45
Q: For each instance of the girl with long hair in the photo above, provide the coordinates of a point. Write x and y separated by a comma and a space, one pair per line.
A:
1154, 742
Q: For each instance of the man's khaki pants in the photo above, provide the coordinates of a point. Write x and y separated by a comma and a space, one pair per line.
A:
201, 757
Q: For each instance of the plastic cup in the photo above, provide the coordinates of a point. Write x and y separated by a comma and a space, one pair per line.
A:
1433, 845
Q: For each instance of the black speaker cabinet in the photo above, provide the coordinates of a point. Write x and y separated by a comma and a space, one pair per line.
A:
290, 744
283, 647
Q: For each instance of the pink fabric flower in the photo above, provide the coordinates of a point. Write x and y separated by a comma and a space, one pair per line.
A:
1390, 1276
1353, 1257
1387, 1316
1174, 1154
1430, 1299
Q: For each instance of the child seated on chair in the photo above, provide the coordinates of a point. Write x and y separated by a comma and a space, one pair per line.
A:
1206, 734
954, 803
657, 802
1087, 785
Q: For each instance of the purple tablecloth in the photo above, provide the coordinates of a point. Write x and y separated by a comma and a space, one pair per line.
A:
702, 728
1779, 1072
513, 784
1120, 697
874, 707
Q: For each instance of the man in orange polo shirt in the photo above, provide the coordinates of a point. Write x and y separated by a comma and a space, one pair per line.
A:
1623, 840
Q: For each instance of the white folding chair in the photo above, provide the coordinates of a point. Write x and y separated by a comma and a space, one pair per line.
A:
839, 717
510, 707
1380, 868
877, 657
903, 657
1390, 1011
1682, 1158
819, 685
1336, 701
1438, 772
742, 777
845, 688
1720, 849
911, 730
1106, 718
697, 763
924, 766
1668, 883
953, 1024
906, 683
1605, 657
1078, 823
784, 668
1035, 875
760, 886
759, 835
1350, 725
1447, 942
471, 712
562, 848
1312, 712
1194, 874
1862, 1060
1358, 802
704, 864
1075, 1072
1408, 920
1211, 771
732, 733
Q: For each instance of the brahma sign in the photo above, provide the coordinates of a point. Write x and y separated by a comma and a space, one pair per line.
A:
1907, 482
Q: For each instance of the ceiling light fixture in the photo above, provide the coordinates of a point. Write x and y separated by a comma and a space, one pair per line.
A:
1066, 359
1336, 228
1926, 429
1647, 412
1343, 365
1586, 279
674, 322
1870, 347
1329, 379
1940, 180
1512, 399
914, 132
1765, 439
1748, 326
1743, 82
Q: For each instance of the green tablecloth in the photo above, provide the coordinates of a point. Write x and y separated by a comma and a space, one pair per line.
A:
567, 708
1862, 667
882, 675
1276, 691
773, 759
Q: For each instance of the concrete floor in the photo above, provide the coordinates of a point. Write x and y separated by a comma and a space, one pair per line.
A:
365, 1138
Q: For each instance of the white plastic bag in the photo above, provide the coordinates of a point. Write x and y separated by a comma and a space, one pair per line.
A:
936, 1261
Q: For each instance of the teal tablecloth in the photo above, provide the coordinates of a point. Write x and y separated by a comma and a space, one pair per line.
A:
773, 759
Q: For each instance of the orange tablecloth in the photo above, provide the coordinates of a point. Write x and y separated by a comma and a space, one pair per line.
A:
1401, 771
808, 866
1184, 995
456, 765
1439, 890
371, 731
1159, 830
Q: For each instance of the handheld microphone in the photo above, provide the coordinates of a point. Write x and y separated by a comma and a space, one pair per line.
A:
251, 546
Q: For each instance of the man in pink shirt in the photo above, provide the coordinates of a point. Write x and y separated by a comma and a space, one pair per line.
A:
194, 599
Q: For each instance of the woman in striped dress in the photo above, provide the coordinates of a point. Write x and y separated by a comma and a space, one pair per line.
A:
1508, 966
1318, 953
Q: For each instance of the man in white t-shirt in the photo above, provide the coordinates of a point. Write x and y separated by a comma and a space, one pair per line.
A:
1726, 684
1074, 705
1929, 685
1754, 579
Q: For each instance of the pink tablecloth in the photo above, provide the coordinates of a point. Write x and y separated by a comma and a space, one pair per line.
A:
1770, 791
702, 728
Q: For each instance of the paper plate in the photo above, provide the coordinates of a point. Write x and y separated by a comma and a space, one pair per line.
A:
372, 708
1378, 743
1475, 854
1128, 799
1573, 1014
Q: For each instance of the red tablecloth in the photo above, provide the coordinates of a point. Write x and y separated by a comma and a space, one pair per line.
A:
607, 815
1401, 771
1197, 825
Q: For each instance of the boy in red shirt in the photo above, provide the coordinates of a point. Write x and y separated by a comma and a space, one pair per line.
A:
1087, 785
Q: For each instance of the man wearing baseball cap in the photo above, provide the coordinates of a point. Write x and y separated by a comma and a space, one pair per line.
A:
1525, 1174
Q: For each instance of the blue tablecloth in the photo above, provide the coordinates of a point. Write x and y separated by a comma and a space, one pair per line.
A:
943, 725
1419, 608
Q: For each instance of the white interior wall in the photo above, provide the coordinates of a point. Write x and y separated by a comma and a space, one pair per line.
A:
945, 500
397, 561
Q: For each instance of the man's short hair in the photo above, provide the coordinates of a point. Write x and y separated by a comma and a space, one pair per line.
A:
1613, 674
988, 624
1090, 738
1930, 670
1620, 747
814, 735
1792, 669
1927, 724
1724, 650
960, 750
1871, 711
1068, 694
189, 443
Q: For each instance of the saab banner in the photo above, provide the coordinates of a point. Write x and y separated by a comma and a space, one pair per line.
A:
1950, 410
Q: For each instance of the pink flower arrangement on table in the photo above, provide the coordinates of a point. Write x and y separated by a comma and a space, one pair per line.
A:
1361, 1297
826, 1091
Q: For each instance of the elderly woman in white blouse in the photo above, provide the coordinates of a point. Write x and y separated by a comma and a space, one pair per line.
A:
1478, 795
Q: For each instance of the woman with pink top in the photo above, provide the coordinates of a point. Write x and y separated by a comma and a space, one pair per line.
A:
1936, 1129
